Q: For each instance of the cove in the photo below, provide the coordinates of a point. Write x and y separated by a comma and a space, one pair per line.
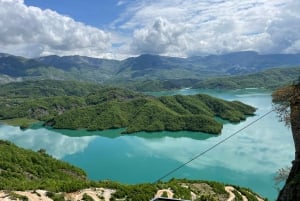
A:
249, 159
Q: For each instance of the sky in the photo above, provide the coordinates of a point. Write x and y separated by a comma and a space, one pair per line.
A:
118, 29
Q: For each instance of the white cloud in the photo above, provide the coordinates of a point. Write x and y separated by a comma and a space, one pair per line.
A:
159, 38
195, 27
169, 27
284, 30
30, 31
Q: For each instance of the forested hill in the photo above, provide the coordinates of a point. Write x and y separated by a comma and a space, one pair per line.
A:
269, 79
75, 105
22, 169
29, 175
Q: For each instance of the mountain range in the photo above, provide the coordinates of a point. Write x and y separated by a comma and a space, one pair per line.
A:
141, 68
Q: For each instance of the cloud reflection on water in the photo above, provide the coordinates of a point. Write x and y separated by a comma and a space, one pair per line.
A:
253, 150
56, 144
263, 147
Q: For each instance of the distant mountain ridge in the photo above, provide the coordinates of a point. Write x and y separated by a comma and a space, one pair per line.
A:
143, 67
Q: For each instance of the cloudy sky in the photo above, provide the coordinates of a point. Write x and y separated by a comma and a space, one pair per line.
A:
121, 28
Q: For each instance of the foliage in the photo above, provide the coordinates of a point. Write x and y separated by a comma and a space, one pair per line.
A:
206, 198
24, 169
86, 197
270, 79
248, 193
22, 122
139, 192
99, 108
282, 98
15, 196
154, 72
55, 196
238, 196
282, 175
287, 100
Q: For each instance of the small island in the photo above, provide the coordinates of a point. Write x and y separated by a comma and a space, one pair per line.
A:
75, 105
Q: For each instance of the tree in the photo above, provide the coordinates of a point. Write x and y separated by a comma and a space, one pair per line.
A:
287, 104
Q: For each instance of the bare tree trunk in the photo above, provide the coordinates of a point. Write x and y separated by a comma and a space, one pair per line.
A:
291, 190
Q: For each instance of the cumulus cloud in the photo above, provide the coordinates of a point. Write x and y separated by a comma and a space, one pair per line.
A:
169, 27
284, 30
194, 27
159, 38
30, 31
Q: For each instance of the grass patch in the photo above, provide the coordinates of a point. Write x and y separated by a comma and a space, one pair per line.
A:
21, 122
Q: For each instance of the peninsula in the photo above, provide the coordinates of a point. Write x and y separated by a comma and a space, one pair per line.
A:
75, 105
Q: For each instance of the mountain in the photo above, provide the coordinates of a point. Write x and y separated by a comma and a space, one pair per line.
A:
17, 66
141, 68
270, 79
248, 60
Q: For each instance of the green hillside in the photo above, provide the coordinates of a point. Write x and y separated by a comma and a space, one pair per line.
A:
74, 105
140, 68
270, 79
22, 169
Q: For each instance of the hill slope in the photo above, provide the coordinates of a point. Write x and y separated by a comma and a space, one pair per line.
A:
22, 170
270, 79
97, 108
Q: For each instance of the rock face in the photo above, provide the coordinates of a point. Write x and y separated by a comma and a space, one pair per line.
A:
291, 190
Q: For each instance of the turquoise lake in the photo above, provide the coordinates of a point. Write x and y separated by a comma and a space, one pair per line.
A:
249, 159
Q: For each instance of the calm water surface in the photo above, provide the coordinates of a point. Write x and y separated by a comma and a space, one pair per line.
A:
249, 159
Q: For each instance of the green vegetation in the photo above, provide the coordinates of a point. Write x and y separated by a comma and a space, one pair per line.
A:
269, 79
94, 107
154, 72
22, 169
248, 193
55, 196
15, 196
238, 196
86, 197
22, 122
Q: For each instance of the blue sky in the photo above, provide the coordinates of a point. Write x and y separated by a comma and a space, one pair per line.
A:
122, 28
98, 13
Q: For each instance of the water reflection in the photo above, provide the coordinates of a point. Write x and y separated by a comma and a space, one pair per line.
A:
56, 144
170, 134
249, 159
257, 149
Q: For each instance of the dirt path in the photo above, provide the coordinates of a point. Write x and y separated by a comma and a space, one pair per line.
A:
229, 190
96, 194
193, 196
3, 196
259, 199
169, 193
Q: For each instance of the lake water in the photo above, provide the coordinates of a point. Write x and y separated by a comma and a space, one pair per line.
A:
249, 159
